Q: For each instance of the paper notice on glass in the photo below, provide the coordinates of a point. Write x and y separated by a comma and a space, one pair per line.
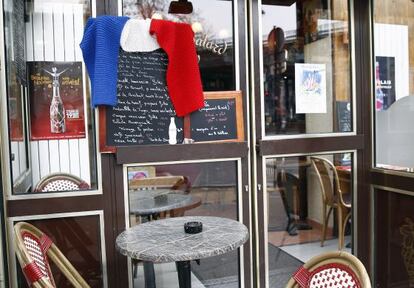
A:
310, 88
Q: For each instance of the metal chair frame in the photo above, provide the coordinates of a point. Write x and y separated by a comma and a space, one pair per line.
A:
42, 184
48, 250
332, 197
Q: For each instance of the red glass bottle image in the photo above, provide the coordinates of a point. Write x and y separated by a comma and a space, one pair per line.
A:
57, 109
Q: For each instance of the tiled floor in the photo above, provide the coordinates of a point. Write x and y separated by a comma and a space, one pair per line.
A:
282, 238
304, 252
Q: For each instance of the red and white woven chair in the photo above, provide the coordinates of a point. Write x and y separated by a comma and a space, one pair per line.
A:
34, 249
57, 182
337, 269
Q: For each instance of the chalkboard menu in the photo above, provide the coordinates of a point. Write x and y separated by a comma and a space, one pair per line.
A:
221, 119
144, 110
216, 121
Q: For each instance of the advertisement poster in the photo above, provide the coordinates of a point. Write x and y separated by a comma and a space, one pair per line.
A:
56, 100
310, 88
385, 82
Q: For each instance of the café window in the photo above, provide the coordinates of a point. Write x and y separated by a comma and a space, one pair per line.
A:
308, 210
50, 119
306, 67
158, 191
393, 74
212, 22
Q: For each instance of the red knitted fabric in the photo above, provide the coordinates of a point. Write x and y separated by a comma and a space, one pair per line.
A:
183, 73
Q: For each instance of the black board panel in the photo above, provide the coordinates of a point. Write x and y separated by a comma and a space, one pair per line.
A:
142, 116
216, 121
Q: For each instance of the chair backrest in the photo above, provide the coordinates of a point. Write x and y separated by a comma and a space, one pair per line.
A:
327, 178
333, 269
61, 182
34, 249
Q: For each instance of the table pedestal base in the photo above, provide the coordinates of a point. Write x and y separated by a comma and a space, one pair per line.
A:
184, 273
149, 275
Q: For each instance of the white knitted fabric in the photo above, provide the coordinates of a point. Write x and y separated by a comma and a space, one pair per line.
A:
135, 36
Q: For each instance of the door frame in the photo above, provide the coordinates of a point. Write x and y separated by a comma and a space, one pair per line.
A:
315, 143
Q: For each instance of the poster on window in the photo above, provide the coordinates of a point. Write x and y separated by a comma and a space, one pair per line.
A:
310, 88
56, 100
384, 82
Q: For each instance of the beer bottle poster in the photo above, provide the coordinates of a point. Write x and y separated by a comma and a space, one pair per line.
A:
56, 100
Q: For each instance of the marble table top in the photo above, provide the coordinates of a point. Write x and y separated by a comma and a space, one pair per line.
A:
165, 240
155, 201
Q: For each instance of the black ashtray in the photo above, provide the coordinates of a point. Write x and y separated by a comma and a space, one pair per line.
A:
193, 227
160, 199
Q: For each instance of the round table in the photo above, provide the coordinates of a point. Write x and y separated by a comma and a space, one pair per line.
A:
165, 241
150, 202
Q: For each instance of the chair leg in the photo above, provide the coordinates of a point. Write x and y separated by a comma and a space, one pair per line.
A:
346, 219
325, 223
341, 229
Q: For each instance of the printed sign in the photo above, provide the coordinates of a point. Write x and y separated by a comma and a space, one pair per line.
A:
310, 88
385, 82
56, 100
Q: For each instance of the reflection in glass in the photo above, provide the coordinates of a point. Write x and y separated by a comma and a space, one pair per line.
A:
300, 192
394, 88
212, 22
306, 67
191, 189
16, 80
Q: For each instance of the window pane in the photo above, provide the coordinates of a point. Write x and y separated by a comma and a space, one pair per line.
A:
48, 91
299, 189
213, 24
394, 85
306, 67
79, 240
211, 190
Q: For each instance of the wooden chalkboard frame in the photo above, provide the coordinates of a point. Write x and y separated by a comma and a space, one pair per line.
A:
103, 147
237, 95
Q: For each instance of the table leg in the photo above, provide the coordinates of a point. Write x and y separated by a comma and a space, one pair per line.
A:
149, 275
184, 273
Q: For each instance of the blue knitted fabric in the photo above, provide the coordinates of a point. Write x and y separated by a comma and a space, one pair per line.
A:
100, 48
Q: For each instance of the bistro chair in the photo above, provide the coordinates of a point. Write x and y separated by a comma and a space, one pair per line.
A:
332, 197
336, 269
56, 182
34, 249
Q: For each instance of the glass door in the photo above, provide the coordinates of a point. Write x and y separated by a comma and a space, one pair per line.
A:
306, 133
392, 186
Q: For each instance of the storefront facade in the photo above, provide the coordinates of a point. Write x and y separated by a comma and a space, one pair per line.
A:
300, 82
